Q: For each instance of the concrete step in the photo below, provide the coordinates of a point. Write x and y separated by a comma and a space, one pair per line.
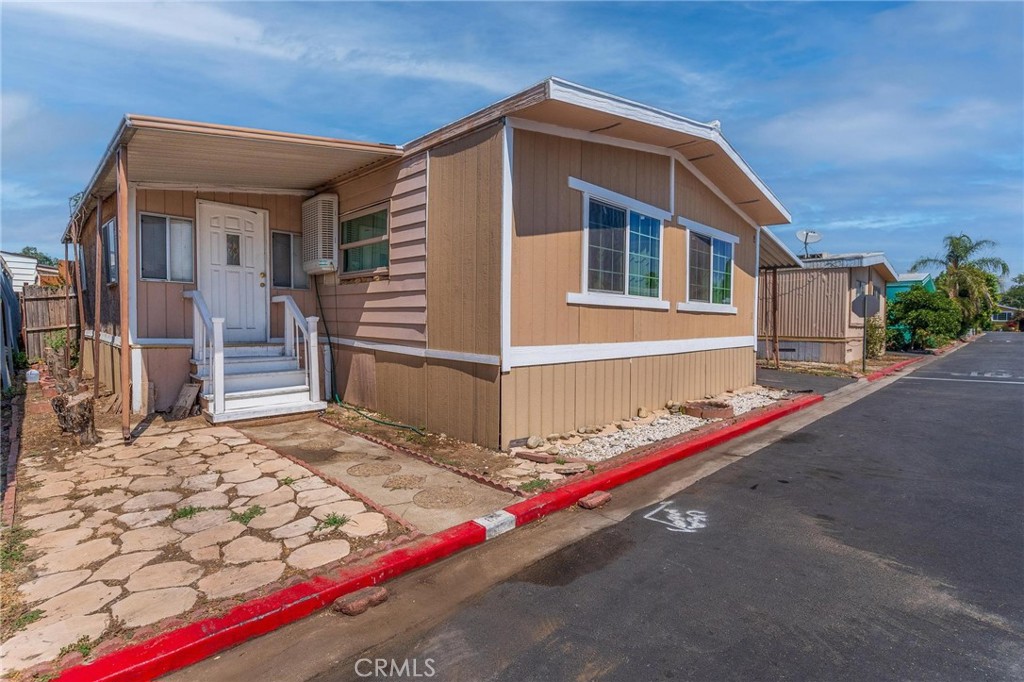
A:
263, 411
245, 379
279, 395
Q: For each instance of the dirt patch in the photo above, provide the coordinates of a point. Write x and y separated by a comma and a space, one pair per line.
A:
826, 369
442, 498
438, 447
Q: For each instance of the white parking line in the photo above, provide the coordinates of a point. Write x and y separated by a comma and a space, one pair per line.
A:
969, 381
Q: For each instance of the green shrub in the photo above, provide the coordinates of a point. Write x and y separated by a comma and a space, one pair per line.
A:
931, 316
876, 337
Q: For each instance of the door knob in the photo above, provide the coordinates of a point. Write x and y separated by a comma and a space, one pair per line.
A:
263, 275
262, 284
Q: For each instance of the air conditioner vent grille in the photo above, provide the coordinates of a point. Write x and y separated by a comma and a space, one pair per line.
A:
320, 234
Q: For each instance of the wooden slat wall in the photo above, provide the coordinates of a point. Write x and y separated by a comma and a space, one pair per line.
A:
47, 311
163, 313
464, 241
393, 308
110, 365
110, 309
813, 304
548, 242
557, 398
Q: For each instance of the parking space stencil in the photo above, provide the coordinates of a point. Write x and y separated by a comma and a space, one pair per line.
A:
678, 521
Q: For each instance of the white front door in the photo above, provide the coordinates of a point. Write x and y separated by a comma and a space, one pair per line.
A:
233, 269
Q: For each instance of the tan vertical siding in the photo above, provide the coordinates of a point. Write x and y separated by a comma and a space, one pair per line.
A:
167, 369
109, 365
558, 398
464, 242
813, 304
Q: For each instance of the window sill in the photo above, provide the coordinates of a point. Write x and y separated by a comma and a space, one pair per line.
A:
696, 307
616, 301
362, 274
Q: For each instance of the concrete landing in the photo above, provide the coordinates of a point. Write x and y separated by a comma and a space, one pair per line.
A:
430, 498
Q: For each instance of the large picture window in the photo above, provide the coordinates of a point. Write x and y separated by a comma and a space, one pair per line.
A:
623, 251
364, 241
710, 270
286, 261
166, 248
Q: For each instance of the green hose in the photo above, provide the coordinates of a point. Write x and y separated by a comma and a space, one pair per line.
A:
418, 432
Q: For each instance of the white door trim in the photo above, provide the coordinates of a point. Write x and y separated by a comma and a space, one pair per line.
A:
265, 217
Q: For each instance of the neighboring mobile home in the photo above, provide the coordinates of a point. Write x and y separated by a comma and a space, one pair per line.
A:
820, 308
560, 258
906, 281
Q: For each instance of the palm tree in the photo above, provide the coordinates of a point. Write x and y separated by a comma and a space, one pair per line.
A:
965, 278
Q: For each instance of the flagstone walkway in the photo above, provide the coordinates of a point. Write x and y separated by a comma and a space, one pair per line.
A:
188, 514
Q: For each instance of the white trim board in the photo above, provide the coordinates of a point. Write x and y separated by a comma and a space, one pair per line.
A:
708, 231
418, 352
628, 202
505, 330
532, 356
609, 300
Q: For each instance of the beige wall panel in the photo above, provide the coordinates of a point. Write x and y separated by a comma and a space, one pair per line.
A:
597, 393
402, 387
355, 376
167, 369
463, 401
464, 241
812, 304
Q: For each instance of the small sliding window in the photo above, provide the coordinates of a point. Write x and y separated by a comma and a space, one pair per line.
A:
167, 248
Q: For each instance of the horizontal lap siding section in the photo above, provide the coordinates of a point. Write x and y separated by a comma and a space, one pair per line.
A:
558, 398
163, 312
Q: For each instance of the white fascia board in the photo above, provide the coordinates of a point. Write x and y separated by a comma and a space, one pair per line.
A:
532, 356
571, 93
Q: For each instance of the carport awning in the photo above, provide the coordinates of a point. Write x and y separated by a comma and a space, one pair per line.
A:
775, 254
185, 153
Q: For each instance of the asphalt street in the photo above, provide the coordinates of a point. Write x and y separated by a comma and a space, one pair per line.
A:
882, 542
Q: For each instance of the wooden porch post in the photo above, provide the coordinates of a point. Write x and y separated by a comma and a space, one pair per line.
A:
96, 287
80, 297
67, 313
775, 315
123, 286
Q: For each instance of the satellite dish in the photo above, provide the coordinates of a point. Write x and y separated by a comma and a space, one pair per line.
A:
808, 237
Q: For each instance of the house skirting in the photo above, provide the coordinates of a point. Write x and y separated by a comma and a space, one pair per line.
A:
834, 351
556, 398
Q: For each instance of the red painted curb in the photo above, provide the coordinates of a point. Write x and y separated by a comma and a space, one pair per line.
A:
567, 495
190, 644
885, 371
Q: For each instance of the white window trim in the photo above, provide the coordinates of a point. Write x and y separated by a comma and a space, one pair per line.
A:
167, 246
607, 298
291, 250
689, 306
386, 237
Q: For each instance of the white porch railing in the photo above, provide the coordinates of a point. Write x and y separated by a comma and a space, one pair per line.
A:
294, 324
208, 345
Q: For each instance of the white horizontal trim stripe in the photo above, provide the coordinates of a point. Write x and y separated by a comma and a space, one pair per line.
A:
162, 343
599, 299
629, 202
531, 356
708, 231
192, 187
435, 353
698, 307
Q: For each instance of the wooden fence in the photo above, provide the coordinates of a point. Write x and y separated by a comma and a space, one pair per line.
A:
46, 311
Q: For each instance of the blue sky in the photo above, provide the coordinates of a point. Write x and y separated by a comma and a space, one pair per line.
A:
883, 126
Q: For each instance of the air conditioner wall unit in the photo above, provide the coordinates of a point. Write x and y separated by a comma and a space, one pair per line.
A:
320, 234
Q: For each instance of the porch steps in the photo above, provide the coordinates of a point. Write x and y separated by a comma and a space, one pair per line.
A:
260, 381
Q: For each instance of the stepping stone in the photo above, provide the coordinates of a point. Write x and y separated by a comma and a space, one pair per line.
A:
46, 477
366, 524
43, 643
167, 574
275, 516
189, 470
240, 474
240, 502
344, 508
249, 548
108, 529
53, 490
119, 482
320, 496
235, 442
147, 470
297, 541
274, 498
156, 537
150, 483
160, 498
230, 581
211, 553
48, 507
272, 465
104, 500
201, 441
262, 454
202, 521
145, 608
120, 567
51, 585
293, 471
311, 483
142, 519
218, 432
98, 518
75, 557
213, 536
213, 450
318, 554
299, 527
60, 539
163, 456
201, 482
259, 486
208, 500
80, 601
